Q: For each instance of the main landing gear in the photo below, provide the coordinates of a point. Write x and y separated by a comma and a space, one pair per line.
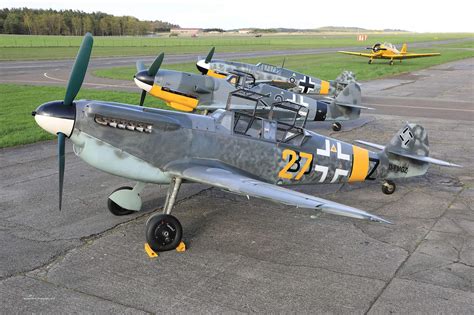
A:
370, 61
163, 231
337, 126
391, 62
388, 187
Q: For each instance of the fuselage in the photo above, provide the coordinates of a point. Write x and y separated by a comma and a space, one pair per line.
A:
107, 136
265, 72
187, 92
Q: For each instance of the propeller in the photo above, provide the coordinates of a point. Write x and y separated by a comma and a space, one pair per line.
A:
210, 55
145, 75
140, 66
61, 160
73, 86
376, 48
155, 66
79, 69
142, 97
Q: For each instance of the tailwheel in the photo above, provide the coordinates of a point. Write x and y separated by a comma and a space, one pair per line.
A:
115, 208
163, 232
337, 126
388, 187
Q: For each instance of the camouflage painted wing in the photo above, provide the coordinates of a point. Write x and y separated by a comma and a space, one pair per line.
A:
356, 54
207, 172
410, 56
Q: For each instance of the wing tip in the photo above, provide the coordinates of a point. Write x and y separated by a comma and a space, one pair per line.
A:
379, 219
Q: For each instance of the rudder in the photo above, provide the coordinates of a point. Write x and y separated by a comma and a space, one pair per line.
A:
406, 154
404, 49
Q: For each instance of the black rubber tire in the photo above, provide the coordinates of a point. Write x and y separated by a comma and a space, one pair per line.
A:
163, 232
391, 62
389, 187
336, 126
114, 208
370, 61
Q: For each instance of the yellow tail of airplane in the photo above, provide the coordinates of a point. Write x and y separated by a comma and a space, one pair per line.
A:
404, 49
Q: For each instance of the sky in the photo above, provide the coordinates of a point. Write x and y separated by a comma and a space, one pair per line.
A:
411, 15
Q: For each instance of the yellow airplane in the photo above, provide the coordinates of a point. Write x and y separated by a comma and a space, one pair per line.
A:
388, 51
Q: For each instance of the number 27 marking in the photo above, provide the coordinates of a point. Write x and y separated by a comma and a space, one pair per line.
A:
295, 158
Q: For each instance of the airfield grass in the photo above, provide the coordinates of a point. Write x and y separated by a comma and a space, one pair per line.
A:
17, 126
29, 47
325, 66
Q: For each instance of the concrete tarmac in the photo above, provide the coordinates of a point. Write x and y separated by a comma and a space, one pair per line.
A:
251, 255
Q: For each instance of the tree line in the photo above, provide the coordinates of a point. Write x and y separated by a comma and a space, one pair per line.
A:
71, 22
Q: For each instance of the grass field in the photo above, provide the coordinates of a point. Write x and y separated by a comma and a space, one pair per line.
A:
325, 66
24, 47
17, 126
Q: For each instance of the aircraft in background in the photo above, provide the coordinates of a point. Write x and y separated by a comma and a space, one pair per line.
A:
189, 92
277, 76
236, 151
388, 51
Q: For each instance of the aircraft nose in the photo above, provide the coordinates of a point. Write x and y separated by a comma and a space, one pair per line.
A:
143, 80
202, 66
144, 77
55, 117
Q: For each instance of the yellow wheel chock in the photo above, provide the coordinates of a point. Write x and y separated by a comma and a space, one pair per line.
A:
152, 254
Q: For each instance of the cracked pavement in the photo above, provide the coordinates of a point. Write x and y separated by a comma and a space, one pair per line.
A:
247, 255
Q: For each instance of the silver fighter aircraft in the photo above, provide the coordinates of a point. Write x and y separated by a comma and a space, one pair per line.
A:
277, 76
188, 92
239, 152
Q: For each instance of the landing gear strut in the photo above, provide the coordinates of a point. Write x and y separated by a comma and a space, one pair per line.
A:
370, 61
163, 231
388, 187
337, 126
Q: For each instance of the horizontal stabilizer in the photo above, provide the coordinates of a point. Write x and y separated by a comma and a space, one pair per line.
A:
424, 159
354, 106
407, 154
370, 144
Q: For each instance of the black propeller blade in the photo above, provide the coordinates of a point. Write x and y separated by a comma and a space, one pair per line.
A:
210, 55
79, 69
142, 97
61, 160
155, 66
74, 85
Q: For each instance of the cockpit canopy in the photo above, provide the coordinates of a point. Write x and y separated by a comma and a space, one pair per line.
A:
281, 122
390, 46
265, 67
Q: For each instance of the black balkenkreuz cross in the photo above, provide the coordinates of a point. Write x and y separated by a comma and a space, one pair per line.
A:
307, 84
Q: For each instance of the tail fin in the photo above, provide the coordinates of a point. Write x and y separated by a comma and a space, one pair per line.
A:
350, 97
346, 77
407, 154
404, 49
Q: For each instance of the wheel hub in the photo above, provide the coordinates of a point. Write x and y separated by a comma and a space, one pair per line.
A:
165, 233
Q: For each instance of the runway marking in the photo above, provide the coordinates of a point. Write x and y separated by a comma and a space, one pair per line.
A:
54, 79
422, 107
85, 83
